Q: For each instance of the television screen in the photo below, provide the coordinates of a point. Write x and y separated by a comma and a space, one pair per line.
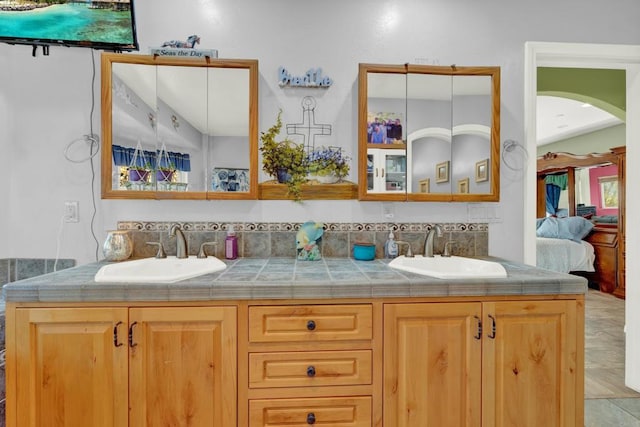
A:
99, 24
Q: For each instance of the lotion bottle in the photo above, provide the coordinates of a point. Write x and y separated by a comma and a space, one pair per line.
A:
231, 244
391, 246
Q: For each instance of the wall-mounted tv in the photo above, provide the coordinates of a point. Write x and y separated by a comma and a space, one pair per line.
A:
98, 24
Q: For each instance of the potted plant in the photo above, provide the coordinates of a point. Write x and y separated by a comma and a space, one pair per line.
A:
165, 173
138, 173
328, 165
284, 160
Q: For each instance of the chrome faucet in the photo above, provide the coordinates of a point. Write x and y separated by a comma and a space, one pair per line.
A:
428, 243
181, 242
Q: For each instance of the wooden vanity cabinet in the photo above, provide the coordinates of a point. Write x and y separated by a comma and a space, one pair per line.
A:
511, 363
119, 366
374, 362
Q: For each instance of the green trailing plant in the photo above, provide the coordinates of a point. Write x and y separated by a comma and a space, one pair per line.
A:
284, 158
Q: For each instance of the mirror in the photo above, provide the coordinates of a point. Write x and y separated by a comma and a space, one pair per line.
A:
179, 128
450, 122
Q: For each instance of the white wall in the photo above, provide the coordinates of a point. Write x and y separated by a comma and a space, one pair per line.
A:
48, 100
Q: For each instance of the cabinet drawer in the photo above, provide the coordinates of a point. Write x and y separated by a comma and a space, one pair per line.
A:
352, 412
300, 369
310, 323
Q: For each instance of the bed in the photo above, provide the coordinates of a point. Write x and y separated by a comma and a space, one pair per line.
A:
599, 255
565, 256
560, 244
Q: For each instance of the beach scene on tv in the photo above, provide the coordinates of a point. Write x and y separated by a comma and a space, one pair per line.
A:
100, 21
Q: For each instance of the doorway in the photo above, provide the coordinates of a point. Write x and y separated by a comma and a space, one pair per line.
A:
572, 55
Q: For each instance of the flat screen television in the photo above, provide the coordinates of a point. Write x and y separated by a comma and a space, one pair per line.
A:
98, 24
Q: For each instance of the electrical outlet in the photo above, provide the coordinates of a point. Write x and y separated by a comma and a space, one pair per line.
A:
71, 211
388, 211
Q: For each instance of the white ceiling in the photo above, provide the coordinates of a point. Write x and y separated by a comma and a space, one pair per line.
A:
560, 118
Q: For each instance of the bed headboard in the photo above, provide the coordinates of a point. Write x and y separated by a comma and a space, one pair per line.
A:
560, 162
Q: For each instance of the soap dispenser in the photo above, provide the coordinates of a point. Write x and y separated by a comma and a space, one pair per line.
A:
231, 244
391, 246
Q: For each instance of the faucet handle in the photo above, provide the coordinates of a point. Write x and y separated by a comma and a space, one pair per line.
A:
161, 253
202, 253
408, 254
447, 248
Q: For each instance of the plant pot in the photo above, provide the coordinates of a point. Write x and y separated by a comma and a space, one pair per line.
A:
137, 175
283, 175
164, 175
325, 179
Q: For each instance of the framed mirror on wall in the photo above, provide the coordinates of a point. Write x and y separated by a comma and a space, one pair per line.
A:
179, 128
450, 126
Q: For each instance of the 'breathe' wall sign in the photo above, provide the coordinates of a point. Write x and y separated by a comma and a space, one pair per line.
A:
313, 78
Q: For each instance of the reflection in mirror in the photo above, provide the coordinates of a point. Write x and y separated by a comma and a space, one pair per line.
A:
471, 136
134, 126
386, 134
189, 126
429, 108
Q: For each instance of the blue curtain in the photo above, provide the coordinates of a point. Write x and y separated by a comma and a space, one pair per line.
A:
122, 156
552, 199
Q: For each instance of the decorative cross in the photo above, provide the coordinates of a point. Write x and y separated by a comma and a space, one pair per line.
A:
308, 129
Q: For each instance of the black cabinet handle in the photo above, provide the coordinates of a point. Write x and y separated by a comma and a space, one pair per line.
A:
311, 418
311, 325
311, 371
479, 333
131, 343
115, 335
492, 335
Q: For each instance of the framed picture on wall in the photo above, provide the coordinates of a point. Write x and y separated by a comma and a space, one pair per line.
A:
442, 172
482, 170
608, 192
423, 185
463, 186
229, 179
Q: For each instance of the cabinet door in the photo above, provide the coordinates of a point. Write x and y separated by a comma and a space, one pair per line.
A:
432, 365
386, 171
70, 369
530, 374
183, 366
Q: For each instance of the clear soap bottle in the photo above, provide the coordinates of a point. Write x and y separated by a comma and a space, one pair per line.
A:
391, 246
231, 244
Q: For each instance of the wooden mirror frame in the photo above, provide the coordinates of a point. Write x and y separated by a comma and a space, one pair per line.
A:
363, 146
106, 175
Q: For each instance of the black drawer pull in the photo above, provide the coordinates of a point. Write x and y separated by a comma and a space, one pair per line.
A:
311, 325
311, 371
311, 418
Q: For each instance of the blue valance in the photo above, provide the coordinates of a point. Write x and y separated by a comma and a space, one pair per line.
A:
123, 156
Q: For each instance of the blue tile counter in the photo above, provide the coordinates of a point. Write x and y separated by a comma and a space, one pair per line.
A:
286, 278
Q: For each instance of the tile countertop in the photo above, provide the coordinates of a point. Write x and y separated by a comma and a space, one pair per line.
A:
286, 278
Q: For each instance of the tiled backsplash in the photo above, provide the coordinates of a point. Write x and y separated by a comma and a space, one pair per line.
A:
259, 240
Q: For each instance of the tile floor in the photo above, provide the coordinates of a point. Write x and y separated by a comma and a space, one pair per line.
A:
608, 403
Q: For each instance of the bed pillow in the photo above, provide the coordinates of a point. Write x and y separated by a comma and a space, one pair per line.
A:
573, 228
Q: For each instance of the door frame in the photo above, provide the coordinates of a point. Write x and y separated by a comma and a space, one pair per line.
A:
578, 55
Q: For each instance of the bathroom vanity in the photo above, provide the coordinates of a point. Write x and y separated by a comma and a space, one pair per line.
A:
273, 342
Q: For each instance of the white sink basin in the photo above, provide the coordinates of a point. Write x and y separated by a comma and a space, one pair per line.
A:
453, 267
159, 270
